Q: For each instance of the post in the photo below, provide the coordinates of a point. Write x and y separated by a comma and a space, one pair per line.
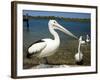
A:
27, 22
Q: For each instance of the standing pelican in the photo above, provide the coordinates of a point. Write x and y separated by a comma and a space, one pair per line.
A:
47, 47
79, 55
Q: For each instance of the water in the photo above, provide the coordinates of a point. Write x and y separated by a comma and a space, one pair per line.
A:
39, 29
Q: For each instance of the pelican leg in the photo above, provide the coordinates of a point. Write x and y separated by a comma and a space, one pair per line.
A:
45, 60
79, 63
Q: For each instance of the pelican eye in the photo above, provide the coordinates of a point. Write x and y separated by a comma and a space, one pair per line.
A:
54, 22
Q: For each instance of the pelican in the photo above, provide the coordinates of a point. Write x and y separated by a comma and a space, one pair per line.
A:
87, 38
79, 54
47, 47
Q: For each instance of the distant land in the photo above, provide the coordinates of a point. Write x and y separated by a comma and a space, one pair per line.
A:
56, 17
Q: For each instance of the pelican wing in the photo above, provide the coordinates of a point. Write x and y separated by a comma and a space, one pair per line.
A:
37, 47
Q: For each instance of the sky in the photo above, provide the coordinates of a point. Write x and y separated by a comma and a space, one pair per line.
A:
60, 14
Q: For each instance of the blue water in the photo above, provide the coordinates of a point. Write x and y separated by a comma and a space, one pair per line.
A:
38, 28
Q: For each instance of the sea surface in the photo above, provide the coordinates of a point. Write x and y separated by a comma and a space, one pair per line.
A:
38, 29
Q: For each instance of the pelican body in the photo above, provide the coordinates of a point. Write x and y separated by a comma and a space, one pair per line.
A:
47, 47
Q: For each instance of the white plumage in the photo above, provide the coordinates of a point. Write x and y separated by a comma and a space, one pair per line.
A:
50, 49
47, 47
37, 47
83, 42
79, 54
79, 57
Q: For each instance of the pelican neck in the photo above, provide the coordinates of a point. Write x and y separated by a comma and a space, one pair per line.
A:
79, 47
55, 34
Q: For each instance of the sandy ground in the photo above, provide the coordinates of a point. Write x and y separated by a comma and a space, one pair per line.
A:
63, 57
50, 66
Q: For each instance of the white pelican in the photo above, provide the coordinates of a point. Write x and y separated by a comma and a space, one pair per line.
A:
79, 55
47, 47
87, 38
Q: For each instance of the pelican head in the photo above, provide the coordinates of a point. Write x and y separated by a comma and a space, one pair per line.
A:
81, 41
55, 25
